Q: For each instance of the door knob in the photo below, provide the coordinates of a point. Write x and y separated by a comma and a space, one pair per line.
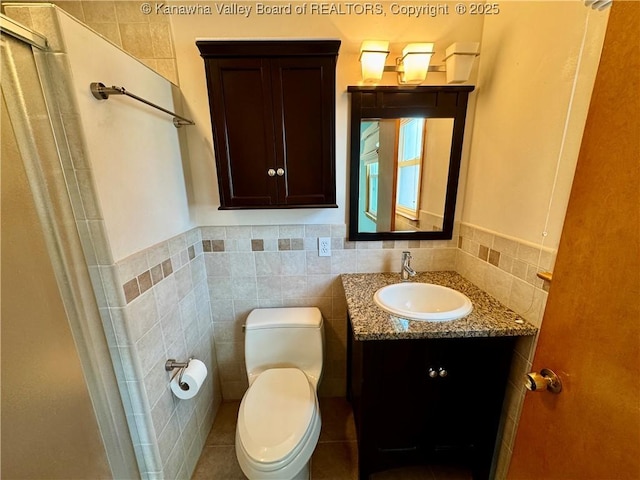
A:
545, 380
280, 172
271, 172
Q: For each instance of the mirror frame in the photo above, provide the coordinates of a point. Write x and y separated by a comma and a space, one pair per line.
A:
371, 102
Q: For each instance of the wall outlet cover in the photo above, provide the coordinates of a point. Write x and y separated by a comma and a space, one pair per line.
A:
324, 247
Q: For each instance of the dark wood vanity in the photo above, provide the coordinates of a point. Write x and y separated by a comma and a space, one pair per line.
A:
427, 392
427, 401
272, 109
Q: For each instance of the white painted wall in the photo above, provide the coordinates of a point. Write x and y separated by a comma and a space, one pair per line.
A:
133, 149
436, 165
537, 68
351, 30
534, 79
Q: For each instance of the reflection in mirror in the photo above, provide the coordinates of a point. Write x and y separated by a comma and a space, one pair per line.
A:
406, 147
404, 164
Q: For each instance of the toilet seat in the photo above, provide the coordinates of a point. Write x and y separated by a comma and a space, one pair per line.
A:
278, 419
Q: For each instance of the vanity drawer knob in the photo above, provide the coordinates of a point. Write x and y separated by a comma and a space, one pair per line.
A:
432, 373
442, 372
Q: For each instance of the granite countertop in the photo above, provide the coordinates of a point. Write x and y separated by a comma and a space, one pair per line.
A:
489, 317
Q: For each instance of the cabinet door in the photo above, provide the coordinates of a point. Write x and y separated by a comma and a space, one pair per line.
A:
399, 396
304, 104
440, 398
242, 115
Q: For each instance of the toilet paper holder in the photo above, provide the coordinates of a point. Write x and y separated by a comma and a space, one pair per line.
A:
171, 364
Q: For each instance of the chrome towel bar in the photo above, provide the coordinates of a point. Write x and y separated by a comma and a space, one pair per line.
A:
102, 92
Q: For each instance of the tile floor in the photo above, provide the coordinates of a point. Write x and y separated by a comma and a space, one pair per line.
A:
335, 457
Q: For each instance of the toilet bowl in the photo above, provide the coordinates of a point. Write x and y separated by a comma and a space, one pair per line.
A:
279, 418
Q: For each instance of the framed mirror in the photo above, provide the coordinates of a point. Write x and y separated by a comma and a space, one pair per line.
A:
406, 146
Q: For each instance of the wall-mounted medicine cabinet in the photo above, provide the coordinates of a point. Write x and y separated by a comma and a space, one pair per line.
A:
272, 109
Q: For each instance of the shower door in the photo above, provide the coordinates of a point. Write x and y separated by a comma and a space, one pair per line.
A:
62, 416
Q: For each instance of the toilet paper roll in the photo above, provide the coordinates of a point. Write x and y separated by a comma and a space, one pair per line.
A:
192, 379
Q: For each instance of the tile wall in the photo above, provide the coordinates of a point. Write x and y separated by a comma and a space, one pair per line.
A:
507, 269
144, 36
278, 266
165, 314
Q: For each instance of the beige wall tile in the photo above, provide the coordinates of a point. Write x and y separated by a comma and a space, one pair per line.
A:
41, 17
130, 12
19, 14
483, 237
528, 253
505, 245
136, 39
133, 265
444, 259
161, 42
99, 12
498, 284
74, 8
108, 30
470, 246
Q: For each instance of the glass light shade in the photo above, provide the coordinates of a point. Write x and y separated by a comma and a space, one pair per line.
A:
459, 58
373, 55
415, 61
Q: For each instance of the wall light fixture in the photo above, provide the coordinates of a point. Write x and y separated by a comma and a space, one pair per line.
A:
459, 59
373, 55
413, 66
414, 63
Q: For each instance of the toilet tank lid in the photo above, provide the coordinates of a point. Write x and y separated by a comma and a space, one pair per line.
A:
284, 318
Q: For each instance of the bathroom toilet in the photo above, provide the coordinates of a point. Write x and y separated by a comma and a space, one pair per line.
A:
279, 417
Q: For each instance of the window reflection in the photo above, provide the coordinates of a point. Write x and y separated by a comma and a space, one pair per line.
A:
409, 157
404, 164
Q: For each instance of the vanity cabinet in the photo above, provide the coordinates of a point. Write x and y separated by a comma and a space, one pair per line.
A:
427, 401
272, 107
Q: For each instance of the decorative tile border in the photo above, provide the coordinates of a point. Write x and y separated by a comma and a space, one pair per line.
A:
521, 259
144, 280
257, 245
147, 279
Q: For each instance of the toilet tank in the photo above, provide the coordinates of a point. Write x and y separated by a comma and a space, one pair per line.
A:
284, 337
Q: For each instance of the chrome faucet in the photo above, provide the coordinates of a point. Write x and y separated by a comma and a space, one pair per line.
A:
406, 270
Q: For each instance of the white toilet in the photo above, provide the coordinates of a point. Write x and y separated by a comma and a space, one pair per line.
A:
279, 418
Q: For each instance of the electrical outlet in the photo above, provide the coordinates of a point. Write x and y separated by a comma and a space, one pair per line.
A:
324, 247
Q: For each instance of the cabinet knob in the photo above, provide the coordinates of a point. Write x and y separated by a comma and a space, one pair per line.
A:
442, 372
271, 172
280, 172
432, 373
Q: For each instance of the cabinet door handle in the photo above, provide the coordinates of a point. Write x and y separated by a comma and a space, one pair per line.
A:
432, 373
442, 372
271, 172
280, 172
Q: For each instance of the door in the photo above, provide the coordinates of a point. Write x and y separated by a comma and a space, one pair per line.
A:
304, 101
591, 331
49, 427
242, 116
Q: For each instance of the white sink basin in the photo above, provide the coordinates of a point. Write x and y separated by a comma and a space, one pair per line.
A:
423, 301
